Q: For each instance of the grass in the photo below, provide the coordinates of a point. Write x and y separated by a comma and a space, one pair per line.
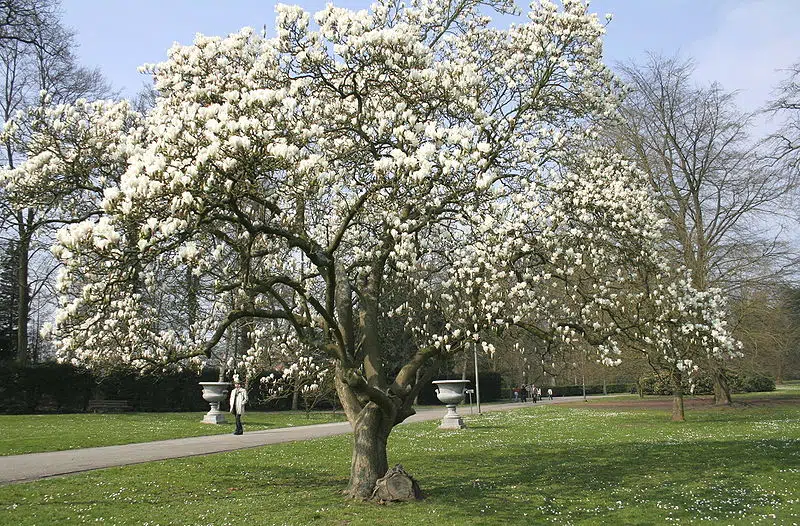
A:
539, 465
37, 433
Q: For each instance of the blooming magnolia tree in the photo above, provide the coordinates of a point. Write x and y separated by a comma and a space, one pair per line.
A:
303, 379
297, 176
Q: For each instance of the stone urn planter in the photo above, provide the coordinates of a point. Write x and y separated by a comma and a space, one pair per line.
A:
214, 393
451, 393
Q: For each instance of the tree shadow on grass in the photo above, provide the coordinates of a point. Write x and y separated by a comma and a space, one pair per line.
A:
719, 480
205, 500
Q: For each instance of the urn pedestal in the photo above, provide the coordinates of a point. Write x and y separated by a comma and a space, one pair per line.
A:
451, 393
214, 393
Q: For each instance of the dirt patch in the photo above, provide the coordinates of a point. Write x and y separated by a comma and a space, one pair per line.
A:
770, 402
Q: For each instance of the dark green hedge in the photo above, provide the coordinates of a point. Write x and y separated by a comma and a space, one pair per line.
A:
490, 385
172, 391
63, 388
577, 390
47, 387
703, 385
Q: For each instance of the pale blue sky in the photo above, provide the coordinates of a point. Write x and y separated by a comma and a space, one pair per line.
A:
739, 43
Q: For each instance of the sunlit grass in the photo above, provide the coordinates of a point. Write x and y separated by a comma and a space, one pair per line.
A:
538, 465
37, 433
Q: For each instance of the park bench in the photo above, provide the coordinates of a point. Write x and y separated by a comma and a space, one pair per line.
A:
108, 406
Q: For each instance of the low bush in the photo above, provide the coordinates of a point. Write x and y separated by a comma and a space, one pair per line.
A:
751, 383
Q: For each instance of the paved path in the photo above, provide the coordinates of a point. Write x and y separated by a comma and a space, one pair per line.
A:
23, 468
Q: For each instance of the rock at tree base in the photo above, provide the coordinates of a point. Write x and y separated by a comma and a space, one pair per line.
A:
396, 486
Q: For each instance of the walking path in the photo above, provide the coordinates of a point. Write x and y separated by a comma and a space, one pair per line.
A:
24, 468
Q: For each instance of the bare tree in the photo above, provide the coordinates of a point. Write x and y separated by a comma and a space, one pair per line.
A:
720, 198
785, 142
37, 54
770, 330
21, 19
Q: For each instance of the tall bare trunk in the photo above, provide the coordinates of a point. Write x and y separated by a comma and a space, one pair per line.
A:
296, 398
192, 303
23, 305
677, 398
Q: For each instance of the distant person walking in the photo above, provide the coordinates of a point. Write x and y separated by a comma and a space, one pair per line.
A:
533, 392
550, 393
238, 401
523, 393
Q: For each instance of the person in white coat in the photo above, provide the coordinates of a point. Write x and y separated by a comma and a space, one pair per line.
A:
238, 401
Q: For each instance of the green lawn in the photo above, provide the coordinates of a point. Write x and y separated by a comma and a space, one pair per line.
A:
537, 465
37, 433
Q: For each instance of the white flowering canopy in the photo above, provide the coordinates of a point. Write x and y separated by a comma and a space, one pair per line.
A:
297, 176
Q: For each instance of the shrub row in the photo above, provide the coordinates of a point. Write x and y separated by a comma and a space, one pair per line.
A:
63, 388
490, 386
703, 384
45, 388
577, 390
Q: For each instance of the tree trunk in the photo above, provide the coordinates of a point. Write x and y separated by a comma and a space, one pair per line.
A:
192, 303
677, 398
371, 430
722, 391
23, 306
296, 398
